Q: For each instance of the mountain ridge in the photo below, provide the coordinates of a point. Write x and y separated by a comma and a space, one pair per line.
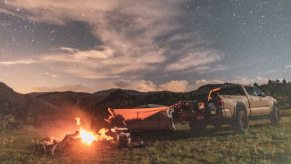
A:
40, 105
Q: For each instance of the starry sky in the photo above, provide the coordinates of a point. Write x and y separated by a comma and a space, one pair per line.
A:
146, 45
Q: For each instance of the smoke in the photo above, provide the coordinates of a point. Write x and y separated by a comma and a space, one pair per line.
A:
64, 122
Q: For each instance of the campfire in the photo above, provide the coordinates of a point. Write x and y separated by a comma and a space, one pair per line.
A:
86, 136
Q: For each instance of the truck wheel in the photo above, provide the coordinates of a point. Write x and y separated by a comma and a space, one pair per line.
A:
275, 116
241, 122
198, 127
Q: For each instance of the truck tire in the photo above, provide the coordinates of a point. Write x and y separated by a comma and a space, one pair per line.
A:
241, 122
275, 116
197, 127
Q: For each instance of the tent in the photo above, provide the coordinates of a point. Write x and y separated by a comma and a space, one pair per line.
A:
146, 118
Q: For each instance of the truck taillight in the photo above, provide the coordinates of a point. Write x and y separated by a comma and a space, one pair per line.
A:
201, 106
220, 102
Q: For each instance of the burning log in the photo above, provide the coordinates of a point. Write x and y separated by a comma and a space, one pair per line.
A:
86, 137
117, 135
50, 146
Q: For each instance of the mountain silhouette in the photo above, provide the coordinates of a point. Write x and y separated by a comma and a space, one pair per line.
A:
33, 108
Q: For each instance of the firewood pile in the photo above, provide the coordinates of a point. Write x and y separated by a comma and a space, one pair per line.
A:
118, 137
50, 145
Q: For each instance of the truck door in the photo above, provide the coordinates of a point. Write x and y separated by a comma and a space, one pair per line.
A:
254, 101
264, 103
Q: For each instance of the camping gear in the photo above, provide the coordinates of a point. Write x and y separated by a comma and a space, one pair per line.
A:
145, 119
123, 140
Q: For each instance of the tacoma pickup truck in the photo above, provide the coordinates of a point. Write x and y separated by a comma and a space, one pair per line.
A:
233, 104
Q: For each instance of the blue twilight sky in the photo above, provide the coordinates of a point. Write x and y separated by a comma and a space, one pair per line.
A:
145, 45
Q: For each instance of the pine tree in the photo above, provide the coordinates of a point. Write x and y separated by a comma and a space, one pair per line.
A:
284, 81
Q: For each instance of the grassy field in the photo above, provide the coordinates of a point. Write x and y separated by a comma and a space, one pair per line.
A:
262, 144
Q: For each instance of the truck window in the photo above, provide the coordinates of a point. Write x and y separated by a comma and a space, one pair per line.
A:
258, 91
250, 91
235, 91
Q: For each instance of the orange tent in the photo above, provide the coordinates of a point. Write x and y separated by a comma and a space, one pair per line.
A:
138, 113
145, 119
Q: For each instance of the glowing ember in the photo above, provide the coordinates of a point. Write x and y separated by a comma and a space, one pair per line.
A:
87, 137
102, 135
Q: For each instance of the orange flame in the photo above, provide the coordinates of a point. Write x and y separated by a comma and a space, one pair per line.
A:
78, 120
102, 135
88, 137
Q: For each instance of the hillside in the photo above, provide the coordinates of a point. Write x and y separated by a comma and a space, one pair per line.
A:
22, 108
32, 107
98, 102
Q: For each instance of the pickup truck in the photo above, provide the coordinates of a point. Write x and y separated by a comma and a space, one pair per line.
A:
233, 104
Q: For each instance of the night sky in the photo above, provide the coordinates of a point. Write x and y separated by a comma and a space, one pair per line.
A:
145, 45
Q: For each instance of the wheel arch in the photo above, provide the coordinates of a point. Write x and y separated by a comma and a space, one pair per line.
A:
240, 106
274, 103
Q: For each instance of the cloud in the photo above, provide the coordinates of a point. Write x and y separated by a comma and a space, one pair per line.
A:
197, 60
51, 75
261, 80
140, 85
249, 81
127, 30
208, 69
6, 11
136, 36
100, 64
17, 62
76, 54
199, 83
175, 86
147, 85
137, 39
144, 86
